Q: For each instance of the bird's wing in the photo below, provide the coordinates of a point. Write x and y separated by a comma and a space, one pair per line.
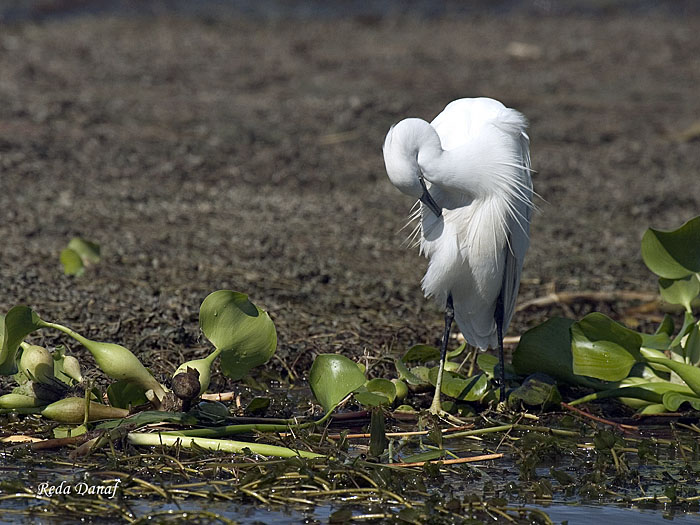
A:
519, 234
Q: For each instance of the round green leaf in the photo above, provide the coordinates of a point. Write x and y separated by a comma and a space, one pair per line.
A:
383, 387
421, 354
680, 291
546, 348
244, 333
674, 254
371, 399
602, 348
469, 389
423, 374
332, 377
537, 390
88, 251
72, 263
487, 363
405, 374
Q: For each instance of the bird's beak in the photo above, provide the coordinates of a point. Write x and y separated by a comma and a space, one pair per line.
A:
428, 200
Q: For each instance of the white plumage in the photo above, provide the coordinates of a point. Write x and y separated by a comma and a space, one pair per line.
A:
473, 162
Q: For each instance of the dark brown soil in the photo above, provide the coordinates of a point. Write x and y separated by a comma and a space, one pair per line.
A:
247, 155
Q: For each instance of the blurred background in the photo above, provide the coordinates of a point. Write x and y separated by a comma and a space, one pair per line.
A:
232, 144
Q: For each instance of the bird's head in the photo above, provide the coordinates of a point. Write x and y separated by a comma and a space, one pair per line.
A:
401, 148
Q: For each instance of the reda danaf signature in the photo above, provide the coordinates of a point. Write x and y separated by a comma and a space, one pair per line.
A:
82, 488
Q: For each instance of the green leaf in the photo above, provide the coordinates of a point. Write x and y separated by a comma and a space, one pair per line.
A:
423, 373
537, 390
258, 405
650, 392
666, 326
383, 387
487, 363
602, 348
680, 291
340, 516
377, 433
421, 354
546, 348
370, 399
406, 375
692, 345
124, 393
673, 400
72, 263
410, 515
64, 431
688, 322
17, 324
470, 389
688, 373
88, 251
651, 410
457, 351
659, 341
674, 254
244, 333
66, 368
426, 353
332, 377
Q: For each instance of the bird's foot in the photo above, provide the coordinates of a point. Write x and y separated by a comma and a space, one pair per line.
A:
444, 416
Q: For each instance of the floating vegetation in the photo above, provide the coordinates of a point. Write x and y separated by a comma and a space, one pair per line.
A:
373, 454
520, 458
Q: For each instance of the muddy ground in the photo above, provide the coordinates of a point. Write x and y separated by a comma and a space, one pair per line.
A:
246, 154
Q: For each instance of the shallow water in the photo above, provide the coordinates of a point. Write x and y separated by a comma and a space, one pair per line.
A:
574, 514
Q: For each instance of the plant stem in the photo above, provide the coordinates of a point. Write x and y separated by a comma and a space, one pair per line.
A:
505, 428
75, 335
236, 447
229, 430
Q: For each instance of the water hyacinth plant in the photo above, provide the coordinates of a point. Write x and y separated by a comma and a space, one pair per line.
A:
78, 255
243, 335
652, 373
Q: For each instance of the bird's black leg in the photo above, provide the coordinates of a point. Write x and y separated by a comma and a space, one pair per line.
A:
436, 407
498, 315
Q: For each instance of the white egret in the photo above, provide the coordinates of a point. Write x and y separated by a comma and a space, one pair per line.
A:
470, 171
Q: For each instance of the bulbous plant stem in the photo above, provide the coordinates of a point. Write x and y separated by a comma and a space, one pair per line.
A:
191, 379
116, 361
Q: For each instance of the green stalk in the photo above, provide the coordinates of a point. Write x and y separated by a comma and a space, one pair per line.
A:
230, 430
652, 392
224, 445
505, 428
115, 360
